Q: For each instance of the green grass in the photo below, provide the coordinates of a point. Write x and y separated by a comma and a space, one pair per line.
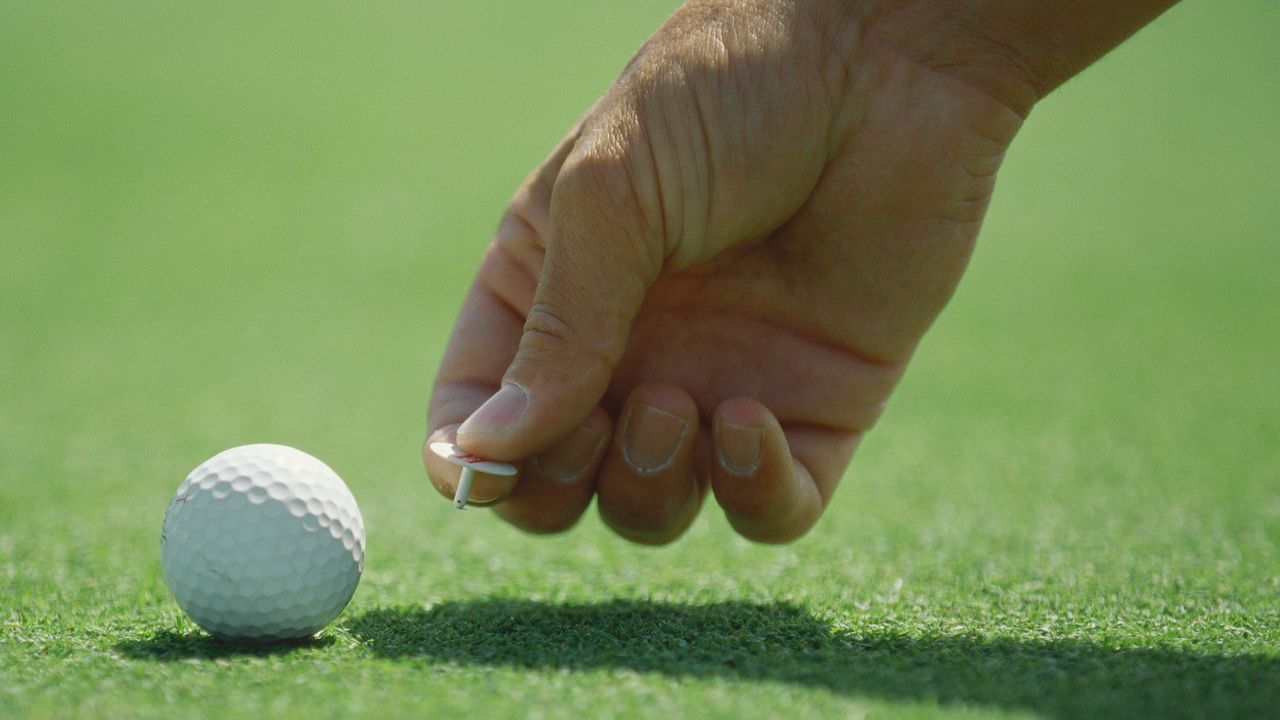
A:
240, 223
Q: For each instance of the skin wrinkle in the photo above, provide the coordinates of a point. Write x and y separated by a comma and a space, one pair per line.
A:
543, 325
705, 169
691, 167
913, 39
673, 189
614, 166
843, 39
643, 241
665, 190
542, 320
602, 174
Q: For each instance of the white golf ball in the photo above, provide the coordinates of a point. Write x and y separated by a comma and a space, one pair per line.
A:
262, 543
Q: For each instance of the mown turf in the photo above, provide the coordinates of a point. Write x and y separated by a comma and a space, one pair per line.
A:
241, 223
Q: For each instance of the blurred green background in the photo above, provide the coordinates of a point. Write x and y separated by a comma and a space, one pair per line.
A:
243, 222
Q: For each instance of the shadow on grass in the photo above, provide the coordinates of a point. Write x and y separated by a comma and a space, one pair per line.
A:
782, 643
168, 645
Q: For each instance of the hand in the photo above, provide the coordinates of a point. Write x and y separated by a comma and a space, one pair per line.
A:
719, 276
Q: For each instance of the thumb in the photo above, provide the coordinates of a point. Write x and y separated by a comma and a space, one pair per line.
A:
600, 260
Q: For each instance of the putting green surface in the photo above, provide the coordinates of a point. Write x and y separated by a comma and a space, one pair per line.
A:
238, 223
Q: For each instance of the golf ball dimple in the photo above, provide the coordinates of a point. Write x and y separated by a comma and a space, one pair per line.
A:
262, 543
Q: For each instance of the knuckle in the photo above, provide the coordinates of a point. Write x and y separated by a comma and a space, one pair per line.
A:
545, 323
549, 335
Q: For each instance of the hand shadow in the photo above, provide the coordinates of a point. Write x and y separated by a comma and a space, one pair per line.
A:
779, 642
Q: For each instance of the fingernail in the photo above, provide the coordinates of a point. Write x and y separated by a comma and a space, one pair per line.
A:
488, 489
652, 438
738, 448
566, 462
498, 412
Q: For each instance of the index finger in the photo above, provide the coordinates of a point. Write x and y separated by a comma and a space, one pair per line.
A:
483, 341
487, 333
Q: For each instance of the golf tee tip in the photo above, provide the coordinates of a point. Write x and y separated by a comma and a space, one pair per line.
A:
461, 495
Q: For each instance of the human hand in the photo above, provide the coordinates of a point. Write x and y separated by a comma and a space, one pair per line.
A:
719, 276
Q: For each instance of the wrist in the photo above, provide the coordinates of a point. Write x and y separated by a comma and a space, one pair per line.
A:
1018, 51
